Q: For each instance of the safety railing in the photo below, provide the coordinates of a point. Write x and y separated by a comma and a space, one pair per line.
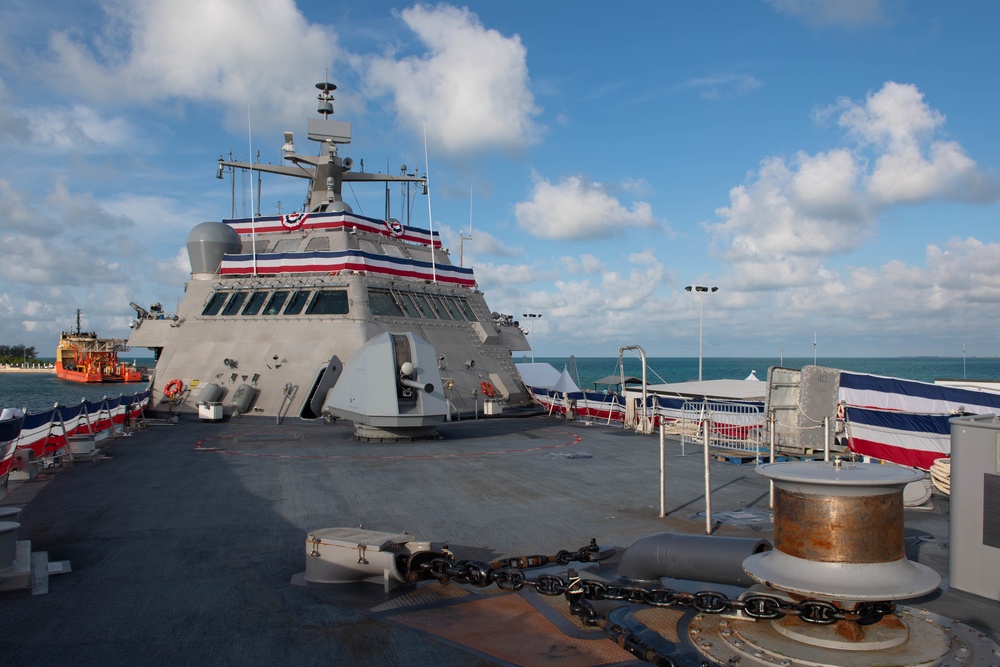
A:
737, 426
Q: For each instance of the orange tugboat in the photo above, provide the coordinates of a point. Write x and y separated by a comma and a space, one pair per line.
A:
83, 357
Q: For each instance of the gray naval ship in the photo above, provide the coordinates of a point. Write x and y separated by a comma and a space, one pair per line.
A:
271, 541
285, 313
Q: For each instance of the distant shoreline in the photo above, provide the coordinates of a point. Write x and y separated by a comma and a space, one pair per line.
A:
15, 369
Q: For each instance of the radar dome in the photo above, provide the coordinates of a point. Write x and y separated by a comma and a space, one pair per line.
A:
208, 242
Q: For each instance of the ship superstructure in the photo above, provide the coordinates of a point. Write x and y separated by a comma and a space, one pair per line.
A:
84, 357
277, 304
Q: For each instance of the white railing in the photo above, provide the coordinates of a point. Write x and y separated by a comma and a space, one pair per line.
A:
734, 426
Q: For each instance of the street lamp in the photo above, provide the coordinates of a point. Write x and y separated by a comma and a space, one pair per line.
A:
532, 316
700, 289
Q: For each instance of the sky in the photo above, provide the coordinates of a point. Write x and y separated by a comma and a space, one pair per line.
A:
832, 166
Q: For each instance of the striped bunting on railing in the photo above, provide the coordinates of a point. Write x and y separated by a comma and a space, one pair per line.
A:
333, 221
346, 260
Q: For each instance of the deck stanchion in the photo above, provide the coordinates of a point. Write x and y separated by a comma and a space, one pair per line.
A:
826, 438
706, 425
770, 502
663, 477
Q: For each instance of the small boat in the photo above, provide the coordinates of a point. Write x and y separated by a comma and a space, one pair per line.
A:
83, 357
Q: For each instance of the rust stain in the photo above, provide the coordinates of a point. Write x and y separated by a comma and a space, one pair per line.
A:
840, 529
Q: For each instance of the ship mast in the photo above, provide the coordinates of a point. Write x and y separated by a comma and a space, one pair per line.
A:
326, 171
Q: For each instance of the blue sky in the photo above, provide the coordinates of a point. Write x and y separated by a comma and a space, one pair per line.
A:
832, 166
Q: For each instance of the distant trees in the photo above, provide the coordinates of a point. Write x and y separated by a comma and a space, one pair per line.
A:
15, 354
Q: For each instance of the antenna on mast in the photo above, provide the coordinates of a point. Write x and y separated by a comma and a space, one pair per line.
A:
461, 237
253, 222
427, 183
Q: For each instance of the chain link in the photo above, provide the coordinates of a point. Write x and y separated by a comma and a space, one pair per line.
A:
508, 575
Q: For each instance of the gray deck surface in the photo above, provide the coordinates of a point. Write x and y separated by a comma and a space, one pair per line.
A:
183, 554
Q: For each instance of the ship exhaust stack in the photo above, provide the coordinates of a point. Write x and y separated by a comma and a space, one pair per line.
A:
391, 389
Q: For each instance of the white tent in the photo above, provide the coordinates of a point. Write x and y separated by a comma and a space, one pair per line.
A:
565, 383
538, 375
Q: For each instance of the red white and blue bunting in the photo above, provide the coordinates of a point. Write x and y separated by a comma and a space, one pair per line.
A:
346, 260
905, 421
333, 221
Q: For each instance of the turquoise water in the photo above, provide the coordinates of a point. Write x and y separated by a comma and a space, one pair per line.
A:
682, 369
40, 391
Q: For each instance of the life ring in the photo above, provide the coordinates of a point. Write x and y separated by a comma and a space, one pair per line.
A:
173, 388
488, 390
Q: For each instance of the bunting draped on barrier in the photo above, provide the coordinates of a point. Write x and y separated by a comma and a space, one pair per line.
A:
45, 433
333, 222
906, 421
345, 260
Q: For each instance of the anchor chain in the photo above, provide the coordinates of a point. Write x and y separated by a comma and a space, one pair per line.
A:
507, 574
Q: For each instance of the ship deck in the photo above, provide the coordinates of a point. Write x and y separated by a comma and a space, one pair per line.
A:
184, 540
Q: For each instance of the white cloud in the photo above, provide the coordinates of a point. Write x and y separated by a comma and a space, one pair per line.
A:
582, 265
77, 128
791, 214
911, 166
586, 305
575, 208
722, 86
481, 244
842, 13
806, 208
203, 50
470, 89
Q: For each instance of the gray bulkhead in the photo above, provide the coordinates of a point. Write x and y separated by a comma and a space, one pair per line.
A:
283, 356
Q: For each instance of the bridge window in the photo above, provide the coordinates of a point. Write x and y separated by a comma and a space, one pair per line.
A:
214, 304
275, 303
254, 303
328, 302
297, 302
234, 303
381, 302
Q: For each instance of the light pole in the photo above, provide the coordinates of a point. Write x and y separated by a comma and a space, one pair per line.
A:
700, 289
532, 316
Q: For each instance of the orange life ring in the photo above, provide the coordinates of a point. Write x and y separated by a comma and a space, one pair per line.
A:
488, 390
173, 388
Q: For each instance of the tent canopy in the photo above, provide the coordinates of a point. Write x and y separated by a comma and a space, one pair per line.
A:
617, 379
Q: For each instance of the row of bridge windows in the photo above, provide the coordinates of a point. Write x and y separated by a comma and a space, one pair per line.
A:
283, 302
384, 302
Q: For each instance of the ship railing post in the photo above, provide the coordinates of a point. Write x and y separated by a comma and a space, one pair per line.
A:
86, 417
770, 502
663, 477
708, 474
826, 438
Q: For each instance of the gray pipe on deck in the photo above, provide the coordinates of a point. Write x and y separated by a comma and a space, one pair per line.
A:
695, 557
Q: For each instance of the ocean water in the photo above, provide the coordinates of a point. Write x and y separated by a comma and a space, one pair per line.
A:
40, 391
684, 369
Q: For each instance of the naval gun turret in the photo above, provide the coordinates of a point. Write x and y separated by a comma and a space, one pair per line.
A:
391, 389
